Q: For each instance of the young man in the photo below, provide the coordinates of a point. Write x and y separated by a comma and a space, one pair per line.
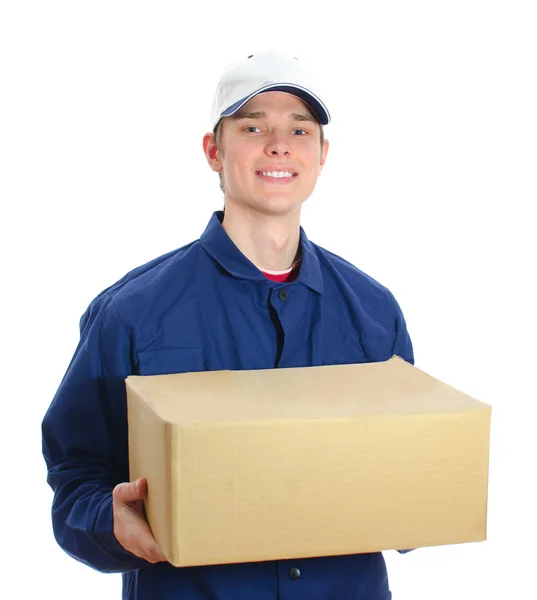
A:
252, 293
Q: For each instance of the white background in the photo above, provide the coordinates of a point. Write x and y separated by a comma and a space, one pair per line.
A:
430, 187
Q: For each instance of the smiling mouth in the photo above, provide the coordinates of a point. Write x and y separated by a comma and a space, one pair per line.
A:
276, 174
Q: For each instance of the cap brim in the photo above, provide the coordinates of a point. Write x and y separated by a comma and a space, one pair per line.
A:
300, 92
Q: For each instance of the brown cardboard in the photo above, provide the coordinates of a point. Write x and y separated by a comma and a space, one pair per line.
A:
287, 463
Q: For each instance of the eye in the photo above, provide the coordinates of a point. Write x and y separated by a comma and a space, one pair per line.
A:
303, 131
251, 127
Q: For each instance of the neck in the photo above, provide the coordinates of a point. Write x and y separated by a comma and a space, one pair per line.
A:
270, 242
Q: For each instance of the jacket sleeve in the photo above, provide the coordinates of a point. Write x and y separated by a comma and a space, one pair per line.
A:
402, 345
85, 442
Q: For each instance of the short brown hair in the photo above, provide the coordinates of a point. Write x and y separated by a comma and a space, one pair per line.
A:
218, 141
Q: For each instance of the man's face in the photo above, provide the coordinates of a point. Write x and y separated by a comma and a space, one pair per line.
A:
272, 154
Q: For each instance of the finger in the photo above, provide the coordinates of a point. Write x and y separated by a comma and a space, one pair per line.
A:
154, 554
130, 492
139, 540
150, 555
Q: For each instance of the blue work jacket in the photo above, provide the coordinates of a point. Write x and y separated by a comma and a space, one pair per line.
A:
205, 306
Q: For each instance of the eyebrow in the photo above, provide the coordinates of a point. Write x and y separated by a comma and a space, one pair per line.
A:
243, 114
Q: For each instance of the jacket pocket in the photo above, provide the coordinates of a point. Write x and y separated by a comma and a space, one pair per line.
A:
165, 362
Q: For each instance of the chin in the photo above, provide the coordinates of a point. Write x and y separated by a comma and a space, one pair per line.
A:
279, 206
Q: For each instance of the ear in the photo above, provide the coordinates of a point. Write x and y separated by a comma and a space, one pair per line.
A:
212, 154
324, 152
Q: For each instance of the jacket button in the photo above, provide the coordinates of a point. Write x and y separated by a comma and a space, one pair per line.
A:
294, 573
282, 294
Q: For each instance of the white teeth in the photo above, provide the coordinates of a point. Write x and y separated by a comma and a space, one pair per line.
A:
277, 174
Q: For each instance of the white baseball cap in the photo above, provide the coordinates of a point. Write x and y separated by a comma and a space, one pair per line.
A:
266, 72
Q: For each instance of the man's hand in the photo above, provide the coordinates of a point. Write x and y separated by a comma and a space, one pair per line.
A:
130, 526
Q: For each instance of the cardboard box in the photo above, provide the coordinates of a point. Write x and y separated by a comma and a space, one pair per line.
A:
286, 463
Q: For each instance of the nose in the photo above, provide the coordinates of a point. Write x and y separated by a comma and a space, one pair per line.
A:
278, 144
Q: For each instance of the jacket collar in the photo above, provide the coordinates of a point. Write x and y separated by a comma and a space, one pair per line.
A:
216, 242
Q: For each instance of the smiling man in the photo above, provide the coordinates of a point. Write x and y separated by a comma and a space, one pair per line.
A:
270, 154
252, 293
